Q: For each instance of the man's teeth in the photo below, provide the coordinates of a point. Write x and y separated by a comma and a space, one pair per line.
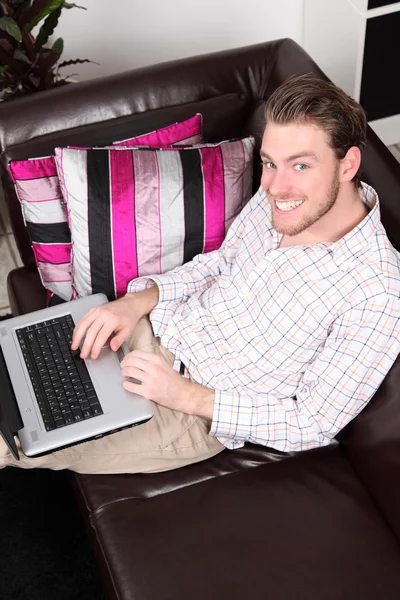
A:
289, 205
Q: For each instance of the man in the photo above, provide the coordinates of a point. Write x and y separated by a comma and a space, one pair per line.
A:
283, 335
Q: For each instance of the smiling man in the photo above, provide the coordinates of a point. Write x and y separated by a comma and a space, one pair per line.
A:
283, 335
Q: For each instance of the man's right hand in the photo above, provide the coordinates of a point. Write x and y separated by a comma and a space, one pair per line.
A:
119, 317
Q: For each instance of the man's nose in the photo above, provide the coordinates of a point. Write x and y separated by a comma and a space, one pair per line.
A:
279, 185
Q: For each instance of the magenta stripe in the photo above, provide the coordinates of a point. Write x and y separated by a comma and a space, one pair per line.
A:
214, 193
159, 211
52, 253
147, 212
32, 169
48, 297
123, 219
165, 136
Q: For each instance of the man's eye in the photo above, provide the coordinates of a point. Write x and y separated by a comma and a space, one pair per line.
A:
268, 165
301, 167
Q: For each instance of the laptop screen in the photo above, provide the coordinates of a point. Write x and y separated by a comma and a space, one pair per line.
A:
10, 418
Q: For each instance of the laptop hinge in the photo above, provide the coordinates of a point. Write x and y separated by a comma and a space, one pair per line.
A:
10, 417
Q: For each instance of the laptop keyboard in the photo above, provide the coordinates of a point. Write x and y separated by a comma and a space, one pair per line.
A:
60, 379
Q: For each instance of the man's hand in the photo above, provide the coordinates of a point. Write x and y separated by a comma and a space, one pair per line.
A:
165, 386
119, 317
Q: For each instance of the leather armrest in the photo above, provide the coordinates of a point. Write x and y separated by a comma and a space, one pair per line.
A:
25, 291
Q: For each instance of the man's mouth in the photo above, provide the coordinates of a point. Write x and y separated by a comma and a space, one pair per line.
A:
287, 205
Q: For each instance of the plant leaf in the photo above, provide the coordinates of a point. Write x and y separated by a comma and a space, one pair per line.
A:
9, 25
49, 58
47, 29
58, 46
45, 8
7, 46
22, 57
3, 68
76, 61
69, 5
35, 80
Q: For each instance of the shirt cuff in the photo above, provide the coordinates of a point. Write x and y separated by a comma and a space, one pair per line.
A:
170, 286
140, 284
232, 418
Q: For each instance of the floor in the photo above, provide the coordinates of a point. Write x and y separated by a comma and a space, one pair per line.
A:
9, 257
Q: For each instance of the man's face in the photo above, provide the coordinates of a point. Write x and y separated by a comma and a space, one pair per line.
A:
300, 176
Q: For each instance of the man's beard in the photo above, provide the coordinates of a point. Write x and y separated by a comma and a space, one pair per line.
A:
308, 220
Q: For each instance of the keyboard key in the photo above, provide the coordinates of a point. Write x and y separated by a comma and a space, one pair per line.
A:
77, 414
87, 413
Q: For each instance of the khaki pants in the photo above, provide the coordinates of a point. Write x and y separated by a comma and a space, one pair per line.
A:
169, 440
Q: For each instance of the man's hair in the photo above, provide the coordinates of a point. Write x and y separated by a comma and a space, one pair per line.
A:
308, 99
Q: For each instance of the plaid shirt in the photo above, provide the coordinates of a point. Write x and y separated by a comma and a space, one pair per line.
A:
294, 341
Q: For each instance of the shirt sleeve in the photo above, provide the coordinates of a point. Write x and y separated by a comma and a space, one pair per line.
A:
200, 273
362, 346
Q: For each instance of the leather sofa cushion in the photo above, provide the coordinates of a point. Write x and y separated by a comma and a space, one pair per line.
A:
98, 491
298, 528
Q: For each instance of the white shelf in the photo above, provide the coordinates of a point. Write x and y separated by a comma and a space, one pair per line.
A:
334, 35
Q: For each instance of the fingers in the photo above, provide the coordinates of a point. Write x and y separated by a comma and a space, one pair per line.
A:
97, 327
96, 337
139, 357
119, 339
142, 366
135, 388
81, 328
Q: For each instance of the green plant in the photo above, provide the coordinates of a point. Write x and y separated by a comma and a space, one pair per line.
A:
26, 64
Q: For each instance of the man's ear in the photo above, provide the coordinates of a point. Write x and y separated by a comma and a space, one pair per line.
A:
350, 164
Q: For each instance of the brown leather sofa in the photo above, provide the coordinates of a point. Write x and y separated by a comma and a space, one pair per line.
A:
250, 523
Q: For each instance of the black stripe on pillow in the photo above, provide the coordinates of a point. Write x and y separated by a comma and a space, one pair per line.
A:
193, 203
49, 233
99, 220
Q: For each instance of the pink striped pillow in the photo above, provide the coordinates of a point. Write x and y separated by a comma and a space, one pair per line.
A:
38, 189
137, 212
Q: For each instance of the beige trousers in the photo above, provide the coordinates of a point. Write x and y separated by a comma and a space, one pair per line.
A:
169, 440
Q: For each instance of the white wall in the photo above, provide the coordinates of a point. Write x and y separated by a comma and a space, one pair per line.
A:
124, 34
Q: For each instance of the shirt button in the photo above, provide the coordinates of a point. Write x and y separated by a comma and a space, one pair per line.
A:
305, 389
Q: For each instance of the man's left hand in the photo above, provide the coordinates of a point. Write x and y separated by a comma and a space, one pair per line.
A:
160, 383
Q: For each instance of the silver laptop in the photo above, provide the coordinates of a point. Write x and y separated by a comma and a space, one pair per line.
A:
49, 396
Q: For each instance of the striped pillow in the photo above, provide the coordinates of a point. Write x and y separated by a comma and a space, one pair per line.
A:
38, 189
137, 212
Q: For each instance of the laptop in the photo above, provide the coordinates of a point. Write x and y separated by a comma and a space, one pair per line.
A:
51, 398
